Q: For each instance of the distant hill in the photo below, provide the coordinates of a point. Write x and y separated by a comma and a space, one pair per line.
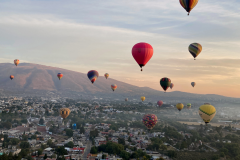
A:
34, 79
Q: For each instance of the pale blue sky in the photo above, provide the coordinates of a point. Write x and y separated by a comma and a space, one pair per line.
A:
82, 35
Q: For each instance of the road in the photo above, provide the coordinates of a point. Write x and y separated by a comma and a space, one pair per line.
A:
214, 150
87, 150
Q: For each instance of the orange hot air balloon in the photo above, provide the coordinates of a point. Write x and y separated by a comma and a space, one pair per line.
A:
11, 77
64, 112
16, 62
106, 75
59, 75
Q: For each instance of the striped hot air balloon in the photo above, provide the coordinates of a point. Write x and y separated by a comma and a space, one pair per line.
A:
195, 49
114, 87
165, 83
92, 75
59, 75
142, 53
150, 120
207, 112
188, 5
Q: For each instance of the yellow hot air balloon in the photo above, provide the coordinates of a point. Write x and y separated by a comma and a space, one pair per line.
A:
179, 106
207, 112
143, 98
64, 112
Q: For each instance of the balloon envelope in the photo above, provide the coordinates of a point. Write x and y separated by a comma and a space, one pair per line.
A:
188, 5
59, 75
142, 53
11, 77
160, 103
195, 49
207, 112
193, 84
114, 87
189, 105
92, 75
106, 75
179, 106
165, 83
150, 120
143, 98
64, 112
171, 85
16, 62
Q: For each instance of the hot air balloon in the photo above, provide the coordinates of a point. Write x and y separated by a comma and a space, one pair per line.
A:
59, 75
93, 75
114, 87
189, 105
193, 84
179, 106
11, 77
16, 62
64, 112
160, 103
207, 112
171, 85
143, 98
142, 53
106, 75
195, 49
150, 120
188, 5
126, 99
165, 83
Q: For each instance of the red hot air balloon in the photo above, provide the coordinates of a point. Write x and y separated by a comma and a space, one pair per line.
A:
11, 77
59, 75
142, 53
160, 103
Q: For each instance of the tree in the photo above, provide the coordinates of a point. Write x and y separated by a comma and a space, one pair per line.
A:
172, 154
45, 156
61, 151
82, 130
41, 122
69, 144
163, 147
24, 145
39, 151
104, 156
34, 136
69, 132
93, 150
121, 141
129, 139
7, 125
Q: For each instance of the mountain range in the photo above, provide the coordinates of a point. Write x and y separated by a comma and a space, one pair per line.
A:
35, 79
